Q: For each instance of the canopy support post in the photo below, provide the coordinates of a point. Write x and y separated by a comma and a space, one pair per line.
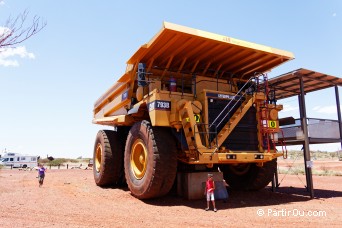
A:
307, 159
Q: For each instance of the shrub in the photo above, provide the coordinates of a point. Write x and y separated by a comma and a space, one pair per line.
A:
55, 162
298, 170
325, 169
72, 160
294, 170
58, 161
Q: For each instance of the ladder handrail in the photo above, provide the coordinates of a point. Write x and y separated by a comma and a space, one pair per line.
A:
206, 133
237, 94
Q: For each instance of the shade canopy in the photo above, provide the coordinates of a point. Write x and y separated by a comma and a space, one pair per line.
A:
287, 85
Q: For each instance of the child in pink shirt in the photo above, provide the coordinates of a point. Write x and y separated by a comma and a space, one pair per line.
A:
209, 191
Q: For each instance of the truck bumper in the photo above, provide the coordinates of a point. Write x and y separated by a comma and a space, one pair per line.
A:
234, 158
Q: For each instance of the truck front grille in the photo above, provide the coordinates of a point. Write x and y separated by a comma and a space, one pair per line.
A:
244, 137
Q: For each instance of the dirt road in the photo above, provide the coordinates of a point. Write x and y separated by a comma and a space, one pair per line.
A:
69, 198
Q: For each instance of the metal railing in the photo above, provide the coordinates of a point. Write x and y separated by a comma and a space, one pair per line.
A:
317, 128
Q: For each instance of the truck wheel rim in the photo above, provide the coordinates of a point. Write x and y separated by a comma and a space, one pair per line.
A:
98, 157
138, 159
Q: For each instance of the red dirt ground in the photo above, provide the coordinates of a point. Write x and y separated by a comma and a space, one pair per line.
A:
70, 198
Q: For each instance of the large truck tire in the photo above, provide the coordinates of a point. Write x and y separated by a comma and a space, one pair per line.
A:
249, 176
108, 158
150, 160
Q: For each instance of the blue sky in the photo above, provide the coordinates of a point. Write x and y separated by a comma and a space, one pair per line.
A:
49, 85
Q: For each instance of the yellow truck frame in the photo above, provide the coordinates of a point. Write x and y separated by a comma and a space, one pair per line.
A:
189, 100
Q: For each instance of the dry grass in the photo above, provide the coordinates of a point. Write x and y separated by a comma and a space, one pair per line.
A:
315, 155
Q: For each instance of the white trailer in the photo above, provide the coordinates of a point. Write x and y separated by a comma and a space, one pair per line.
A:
19, 160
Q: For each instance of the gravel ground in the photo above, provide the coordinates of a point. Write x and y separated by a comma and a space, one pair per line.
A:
70, 198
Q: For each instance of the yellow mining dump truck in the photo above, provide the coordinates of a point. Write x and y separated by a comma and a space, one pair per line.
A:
189, 101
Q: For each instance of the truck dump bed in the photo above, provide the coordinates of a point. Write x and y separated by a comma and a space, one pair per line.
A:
185, 49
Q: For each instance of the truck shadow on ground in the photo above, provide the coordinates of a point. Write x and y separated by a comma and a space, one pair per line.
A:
242, 199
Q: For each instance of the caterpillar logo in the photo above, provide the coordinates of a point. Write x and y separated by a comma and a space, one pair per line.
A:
197, 118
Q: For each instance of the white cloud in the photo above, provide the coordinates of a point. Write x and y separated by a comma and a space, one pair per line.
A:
334, 14
2, 2
288, 108
331, 109
316, 108
7, 55
7, 63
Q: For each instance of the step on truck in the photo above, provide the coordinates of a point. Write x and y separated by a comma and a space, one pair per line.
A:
189, 101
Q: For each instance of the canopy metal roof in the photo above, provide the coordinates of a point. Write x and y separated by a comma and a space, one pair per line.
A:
181, 49
287, 85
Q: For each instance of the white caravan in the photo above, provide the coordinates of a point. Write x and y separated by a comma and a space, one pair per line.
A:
19, 160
